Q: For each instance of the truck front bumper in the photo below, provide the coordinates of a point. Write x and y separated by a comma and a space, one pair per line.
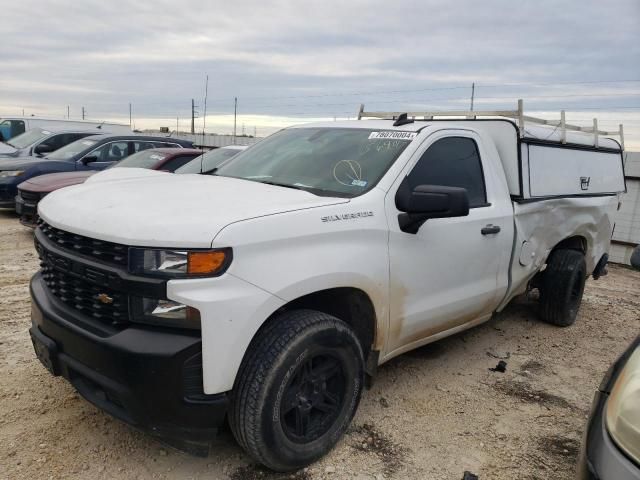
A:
8, 190
27, 209
151, 378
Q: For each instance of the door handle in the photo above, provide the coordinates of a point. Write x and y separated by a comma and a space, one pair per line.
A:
490, 229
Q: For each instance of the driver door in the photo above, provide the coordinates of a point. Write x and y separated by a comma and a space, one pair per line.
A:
104, 156
450, 272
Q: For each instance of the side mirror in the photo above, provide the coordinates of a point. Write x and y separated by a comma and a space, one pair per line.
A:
42, 149
429, 201
89, 159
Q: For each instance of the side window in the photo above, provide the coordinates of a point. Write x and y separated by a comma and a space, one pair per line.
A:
139, 146
17, 127
177, 162
111, 152
452, 162
57, 141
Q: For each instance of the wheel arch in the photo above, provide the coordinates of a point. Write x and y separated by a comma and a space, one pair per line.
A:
352, 305
574, 242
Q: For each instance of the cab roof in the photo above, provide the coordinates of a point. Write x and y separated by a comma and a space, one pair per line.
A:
368, 125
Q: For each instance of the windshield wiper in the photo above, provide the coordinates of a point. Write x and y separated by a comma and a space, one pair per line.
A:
285, 185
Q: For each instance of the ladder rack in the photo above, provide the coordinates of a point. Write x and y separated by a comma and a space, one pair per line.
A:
517, 115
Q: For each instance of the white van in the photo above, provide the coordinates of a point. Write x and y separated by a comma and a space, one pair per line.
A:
13, 126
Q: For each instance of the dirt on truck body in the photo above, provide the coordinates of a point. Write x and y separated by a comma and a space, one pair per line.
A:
432, 413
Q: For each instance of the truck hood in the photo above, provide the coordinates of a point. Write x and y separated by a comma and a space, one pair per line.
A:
164, 210
53, 181
20, 163
6, 149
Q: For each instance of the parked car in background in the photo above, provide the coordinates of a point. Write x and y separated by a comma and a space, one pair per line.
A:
38, 142
211, 159
13, 126
92, 153
31, 191
611, 442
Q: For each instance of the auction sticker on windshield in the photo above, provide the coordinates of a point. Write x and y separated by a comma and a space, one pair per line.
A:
393, 135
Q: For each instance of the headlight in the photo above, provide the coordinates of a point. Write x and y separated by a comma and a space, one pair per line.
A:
179, 263
166, 313
623, 408
10, 173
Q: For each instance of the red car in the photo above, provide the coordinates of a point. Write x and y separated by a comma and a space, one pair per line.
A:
31, 191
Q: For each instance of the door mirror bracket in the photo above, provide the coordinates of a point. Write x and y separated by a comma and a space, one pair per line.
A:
429, 201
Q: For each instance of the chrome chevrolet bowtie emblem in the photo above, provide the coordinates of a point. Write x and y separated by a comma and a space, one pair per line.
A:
104, 298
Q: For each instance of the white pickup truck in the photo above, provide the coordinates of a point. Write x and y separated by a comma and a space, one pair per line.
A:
265, 295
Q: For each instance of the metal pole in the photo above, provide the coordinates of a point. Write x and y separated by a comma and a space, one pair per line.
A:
235, 116
473, 92
563, 127
193, 116
130, 122
521, 116
83, 113
68, 112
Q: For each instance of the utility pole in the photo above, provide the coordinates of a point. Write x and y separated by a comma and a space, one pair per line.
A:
177, 129
83, 113
235, 116
68, 112
193, 117
473, 92
130, 122
204, 117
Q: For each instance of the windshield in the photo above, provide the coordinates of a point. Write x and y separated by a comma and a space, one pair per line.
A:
143, 159
28, 138
71, 150
208, 161
343, 162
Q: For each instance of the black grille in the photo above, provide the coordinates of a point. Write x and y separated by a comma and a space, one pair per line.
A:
31, 197
108, 252
101, 303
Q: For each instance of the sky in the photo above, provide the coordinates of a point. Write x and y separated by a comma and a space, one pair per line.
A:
292, 62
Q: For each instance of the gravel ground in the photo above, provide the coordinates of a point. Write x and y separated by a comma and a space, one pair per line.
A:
432, 413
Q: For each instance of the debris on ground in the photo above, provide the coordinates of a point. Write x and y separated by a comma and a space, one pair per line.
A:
500, 367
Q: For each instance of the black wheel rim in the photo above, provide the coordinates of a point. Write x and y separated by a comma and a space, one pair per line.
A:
313, 398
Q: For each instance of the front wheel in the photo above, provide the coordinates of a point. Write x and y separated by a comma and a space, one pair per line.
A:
562, 287
297, 389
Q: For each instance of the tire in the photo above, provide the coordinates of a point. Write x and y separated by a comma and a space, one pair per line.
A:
562, 287
635, 258
297, 389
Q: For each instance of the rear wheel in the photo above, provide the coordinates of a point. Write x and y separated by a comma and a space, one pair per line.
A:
562, 287
297, 389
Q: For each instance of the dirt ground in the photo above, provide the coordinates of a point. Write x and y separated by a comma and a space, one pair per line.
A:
432, 413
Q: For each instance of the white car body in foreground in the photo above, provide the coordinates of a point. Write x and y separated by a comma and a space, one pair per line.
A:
290, 244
